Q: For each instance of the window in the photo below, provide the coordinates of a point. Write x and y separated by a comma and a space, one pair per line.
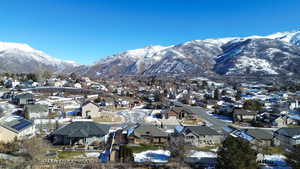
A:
189, 137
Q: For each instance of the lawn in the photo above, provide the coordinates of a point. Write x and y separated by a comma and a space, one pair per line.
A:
208, 148
69, 154
106, 117
274, 150
193, 122
144, 147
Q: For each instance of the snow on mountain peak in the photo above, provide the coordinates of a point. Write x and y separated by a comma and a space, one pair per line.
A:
15, 46
22, 52
292, 37
146, 52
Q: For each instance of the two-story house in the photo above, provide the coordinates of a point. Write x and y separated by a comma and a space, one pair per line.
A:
287, 137
199, 136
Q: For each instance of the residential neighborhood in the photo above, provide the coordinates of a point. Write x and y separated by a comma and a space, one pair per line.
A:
150, 84
120, 123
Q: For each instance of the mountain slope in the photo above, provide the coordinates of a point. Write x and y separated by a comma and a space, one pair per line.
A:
21, 58
258, 56
276, 54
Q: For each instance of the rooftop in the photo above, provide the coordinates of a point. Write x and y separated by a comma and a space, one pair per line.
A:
15, 123
82, 129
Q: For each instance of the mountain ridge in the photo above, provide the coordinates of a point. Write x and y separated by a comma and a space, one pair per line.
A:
198, 56
274, 54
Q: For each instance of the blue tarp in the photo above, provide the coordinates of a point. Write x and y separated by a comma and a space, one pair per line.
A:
158, 156
72, 113
104, 157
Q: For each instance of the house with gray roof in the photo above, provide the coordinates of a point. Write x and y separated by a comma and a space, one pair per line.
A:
82, 132
242, 115
287, 137
199, 136
147, 134
261, 137
23, 99
36, 111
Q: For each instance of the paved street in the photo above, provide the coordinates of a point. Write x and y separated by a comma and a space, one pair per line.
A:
218, 124
212, 122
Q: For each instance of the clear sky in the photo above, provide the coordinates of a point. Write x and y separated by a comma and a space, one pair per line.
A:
87, 30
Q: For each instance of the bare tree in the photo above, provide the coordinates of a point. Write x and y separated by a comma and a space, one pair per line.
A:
177, 148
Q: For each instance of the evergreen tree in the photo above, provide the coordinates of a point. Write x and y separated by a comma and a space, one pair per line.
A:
252, 105
294, 158
238, 95
204, 84
32, 76
216, 94
236, 153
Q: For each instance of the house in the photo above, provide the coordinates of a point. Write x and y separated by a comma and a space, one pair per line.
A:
79, 132
23, 99
56, 82
77, 85
36, 111
287, 137
180, 113
11, 83
89, 110
279, 121
147, 134
261, 137
7, 95
211, 104
98, 87
241, 115
199, 136
29, 84
15, 127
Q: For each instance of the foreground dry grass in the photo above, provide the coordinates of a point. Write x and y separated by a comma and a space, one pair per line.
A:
108, 117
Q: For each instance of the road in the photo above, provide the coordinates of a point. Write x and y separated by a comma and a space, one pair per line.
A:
218, 124
214, 123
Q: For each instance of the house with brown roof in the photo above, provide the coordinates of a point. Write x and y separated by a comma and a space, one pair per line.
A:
147, 134
180, 113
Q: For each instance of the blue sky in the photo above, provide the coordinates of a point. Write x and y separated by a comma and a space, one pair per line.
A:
87, 30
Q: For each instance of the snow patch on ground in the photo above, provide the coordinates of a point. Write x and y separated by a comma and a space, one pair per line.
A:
274, 161
221, 117
201, 154
92, 154
156, 156
197, 156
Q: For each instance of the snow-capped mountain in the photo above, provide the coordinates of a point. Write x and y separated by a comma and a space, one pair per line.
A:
274, 54
258, 56
18, 57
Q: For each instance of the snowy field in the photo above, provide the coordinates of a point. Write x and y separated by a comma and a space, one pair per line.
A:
196, 156
155, 156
